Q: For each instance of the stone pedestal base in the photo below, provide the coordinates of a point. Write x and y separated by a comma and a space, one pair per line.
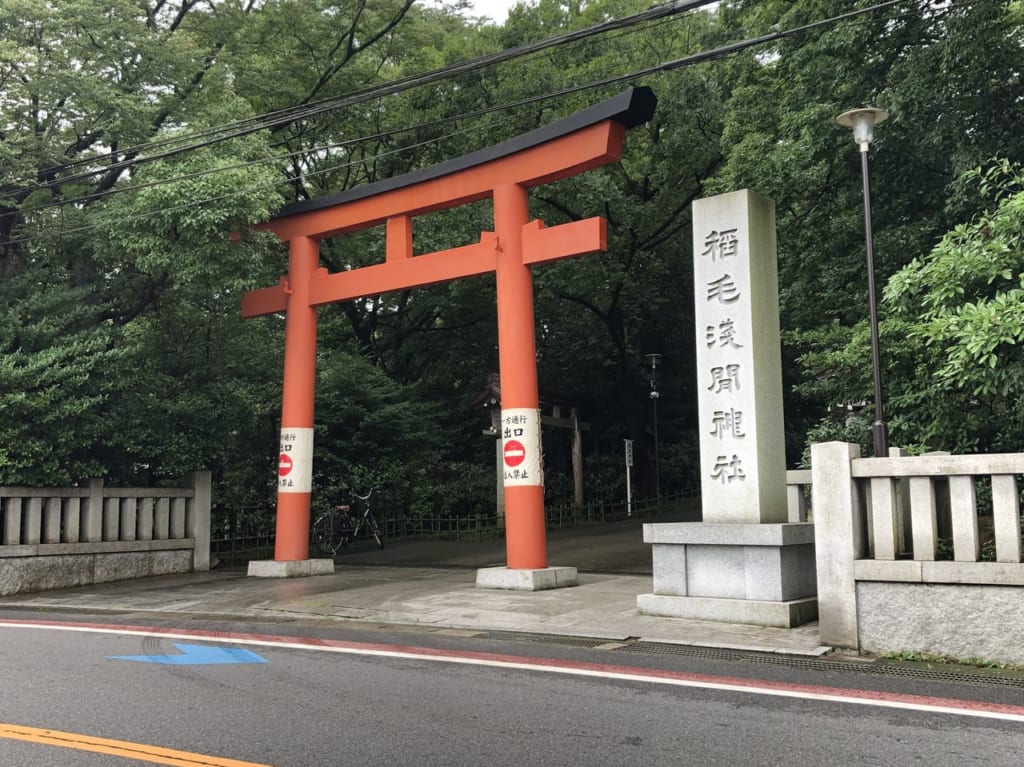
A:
762, 574
526, 580
749, 611
300, 568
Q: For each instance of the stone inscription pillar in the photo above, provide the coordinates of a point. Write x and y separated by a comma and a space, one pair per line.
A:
743, 563
739, 367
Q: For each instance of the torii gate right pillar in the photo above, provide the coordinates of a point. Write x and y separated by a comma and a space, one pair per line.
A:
525, 535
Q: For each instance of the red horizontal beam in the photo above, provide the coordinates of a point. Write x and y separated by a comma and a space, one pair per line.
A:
428, 269
579, 238
273, 300
540, 244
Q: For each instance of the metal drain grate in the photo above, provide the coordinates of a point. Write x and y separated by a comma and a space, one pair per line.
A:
1000, 678
878, 667
982, 676
525, 636
747, 656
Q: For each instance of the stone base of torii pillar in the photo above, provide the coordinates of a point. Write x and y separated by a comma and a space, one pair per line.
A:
298, 568
744, 563
526, 579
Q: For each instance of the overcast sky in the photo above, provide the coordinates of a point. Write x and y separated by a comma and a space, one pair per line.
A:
495, 9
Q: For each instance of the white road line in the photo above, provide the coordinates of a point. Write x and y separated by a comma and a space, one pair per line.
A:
978, 709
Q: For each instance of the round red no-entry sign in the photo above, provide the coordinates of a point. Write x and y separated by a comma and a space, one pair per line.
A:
284, 466
514, 453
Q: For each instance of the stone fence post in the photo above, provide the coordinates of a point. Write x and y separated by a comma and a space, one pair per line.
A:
838, 540
197, 518
92, 526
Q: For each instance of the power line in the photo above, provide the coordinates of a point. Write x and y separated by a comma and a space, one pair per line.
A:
272, 120
252, 125
218, 198
668, 66
663, 67
92, 197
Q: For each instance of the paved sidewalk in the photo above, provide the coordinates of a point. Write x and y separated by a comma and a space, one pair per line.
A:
603, 606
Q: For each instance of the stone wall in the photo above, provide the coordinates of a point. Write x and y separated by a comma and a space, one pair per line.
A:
61, 571
957, 620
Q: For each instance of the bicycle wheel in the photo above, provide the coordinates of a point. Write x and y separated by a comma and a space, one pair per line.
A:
377, 530
327, 535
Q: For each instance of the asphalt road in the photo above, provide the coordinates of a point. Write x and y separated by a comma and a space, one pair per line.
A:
318, 695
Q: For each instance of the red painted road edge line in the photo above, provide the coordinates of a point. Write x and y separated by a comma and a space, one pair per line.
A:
739, 684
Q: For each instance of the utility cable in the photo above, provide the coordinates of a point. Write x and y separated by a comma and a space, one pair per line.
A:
668, 66
281, 118
251, 125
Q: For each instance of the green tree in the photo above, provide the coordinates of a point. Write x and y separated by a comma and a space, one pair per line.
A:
136, 139
55, 351
127, 159
961, 312
943, 71
952, 333
75, 82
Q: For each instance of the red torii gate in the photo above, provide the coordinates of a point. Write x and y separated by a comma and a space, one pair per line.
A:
505, 172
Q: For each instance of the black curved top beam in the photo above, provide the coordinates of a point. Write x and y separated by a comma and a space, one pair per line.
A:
630, 108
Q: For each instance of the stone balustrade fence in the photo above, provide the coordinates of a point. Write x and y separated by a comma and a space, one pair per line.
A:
919, 553
798, 495
72, 536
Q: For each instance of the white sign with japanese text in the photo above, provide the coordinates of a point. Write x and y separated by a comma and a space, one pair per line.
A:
520, 447
295, 462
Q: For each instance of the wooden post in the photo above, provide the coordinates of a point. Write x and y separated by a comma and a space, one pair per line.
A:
499, 501
577, 461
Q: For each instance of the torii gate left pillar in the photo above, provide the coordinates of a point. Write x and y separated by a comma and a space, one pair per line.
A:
503, 173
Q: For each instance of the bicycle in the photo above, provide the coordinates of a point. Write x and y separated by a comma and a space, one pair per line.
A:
337, 528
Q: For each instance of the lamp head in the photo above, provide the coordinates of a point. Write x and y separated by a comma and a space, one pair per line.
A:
863, 122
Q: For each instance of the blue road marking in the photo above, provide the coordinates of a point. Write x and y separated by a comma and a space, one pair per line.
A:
197, 655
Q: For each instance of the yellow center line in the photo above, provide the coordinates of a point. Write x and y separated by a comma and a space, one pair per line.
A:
128, 750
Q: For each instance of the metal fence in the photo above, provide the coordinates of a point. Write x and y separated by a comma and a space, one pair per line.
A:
240, 534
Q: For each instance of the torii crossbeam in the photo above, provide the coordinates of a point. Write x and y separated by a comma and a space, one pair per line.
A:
504, 173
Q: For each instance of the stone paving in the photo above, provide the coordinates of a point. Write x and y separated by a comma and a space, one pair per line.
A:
431, 583
603, 606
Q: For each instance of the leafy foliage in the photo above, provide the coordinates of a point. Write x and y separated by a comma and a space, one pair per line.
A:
122, 352
55, 352
934, 66
962, 309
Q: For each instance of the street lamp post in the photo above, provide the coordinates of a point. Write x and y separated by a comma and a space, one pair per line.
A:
863, 122
652, 360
